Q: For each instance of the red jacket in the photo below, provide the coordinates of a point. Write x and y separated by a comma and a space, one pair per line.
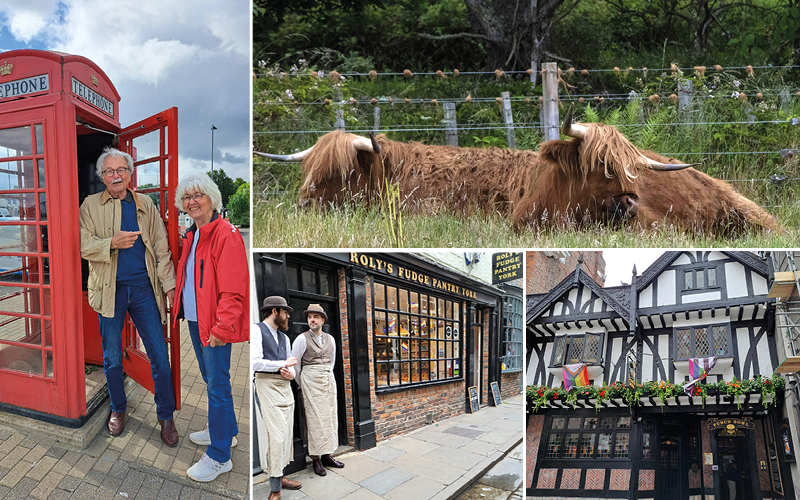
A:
221, 280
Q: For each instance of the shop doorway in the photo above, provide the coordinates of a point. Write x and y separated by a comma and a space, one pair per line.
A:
477, 352
678, 458
736, 474
307, 285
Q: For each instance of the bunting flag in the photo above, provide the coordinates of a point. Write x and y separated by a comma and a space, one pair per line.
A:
575, 376
698, 370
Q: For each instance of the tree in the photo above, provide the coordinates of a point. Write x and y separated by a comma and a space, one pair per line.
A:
225, 184
240, 206
516, 34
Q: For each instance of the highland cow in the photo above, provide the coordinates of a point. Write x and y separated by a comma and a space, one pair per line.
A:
599, 177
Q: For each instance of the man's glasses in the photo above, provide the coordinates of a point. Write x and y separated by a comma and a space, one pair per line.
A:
110, 173
196, 197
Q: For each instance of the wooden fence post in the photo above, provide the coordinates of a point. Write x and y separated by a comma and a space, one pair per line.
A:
550, 105
337, 102
785, 100
377, 124
512, 141
450, 125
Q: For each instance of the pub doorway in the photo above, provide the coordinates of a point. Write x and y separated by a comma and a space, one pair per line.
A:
736, 472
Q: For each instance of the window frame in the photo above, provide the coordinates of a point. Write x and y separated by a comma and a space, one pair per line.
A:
694, 270
569, 339
512, 334
693, 343
548, 431
456, 360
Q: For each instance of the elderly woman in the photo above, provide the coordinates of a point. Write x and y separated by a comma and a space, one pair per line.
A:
212, 294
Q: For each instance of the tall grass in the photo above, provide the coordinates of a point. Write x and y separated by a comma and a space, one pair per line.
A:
659, 126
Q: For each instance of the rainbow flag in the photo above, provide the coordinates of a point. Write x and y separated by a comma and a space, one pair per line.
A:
404, 346
698, 370
392, 325
575, 376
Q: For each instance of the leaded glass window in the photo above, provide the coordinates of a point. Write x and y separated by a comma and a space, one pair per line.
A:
589, 437
700, 279
702, 341
572, 349
512, 334
621, 445
592, 350
571, 446
587, 445
554, 446
576, 350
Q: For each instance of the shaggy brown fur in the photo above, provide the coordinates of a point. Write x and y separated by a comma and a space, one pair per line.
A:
582, 181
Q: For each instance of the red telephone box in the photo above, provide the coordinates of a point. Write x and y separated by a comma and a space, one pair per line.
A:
57, 112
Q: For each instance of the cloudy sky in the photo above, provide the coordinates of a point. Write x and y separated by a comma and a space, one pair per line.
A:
620, 262
190, 54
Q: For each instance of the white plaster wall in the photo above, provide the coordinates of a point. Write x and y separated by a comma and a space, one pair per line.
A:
759, 284
682, 259
616, 351
764, 364
743, 339
681, 321
646, 296
702, 297
717, 256
666, 289
557, 307
647, 363
598, 305
663, 348
572, 296
735, 280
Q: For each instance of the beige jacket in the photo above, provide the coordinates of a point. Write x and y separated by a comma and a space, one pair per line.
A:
101, 217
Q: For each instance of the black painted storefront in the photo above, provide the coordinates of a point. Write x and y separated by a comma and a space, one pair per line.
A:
318, 281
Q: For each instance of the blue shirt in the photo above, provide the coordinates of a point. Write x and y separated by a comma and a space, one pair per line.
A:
131, 264
189, 297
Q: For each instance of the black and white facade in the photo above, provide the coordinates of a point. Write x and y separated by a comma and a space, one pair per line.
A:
689, 304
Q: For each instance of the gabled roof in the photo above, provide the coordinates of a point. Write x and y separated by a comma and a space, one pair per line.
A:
616, 298
747, 258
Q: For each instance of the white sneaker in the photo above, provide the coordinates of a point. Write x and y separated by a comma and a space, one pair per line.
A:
207, 469
204, 438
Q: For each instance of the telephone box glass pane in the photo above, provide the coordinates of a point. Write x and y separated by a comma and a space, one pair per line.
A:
147, 176
147, 145
42, 207
19, 239
22, 330
16, 142
16, 206
40, 166
39, 142
21, 300
22, 359
16, 174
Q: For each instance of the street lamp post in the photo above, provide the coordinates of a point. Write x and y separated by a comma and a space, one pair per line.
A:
213, 128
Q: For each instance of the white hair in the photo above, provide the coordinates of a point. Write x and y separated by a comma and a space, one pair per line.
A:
114, 153
198, 182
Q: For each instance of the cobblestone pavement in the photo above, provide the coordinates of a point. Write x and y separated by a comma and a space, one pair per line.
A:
135, 465
439, 461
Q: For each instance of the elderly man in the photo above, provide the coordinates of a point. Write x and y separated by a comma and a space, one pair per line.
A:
124, 240
316, 354
270, 355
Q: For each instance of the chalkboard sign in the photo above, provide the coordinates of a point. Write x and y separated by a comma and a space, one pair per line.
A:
496, 393
474, 404
777, 484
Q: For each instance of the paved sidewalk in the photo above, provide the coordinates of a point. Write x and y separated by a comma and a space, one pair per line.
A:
136, 464
501, 482
438, 461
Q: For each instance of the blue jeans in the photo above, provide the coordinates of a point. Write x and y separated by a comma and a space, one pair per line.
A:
215, 367
140, 303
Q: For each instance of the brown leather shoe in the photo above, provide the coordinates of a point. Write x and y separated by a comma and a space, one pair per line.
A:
116, 423
329, 461
274, 495
318, 468
169, 434
289, 485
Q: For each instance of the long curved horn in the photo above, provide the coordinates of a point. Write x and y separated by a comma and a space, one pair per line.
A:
364, 144
570, 129
375, 146
292, 157
667, 167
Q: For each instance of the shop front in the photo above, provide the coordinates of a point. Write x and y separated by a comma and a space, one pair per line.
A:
412, 337
57, 112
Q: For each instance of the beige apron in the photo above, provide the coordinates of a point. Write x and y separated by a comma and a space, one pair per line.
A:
277, 411
319, 400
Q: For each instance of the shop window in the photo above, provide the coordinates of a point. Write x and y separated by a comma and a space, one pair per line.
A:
310, 279
590, 437
572, 349
702, 341
512, 334
700, 279
416, 337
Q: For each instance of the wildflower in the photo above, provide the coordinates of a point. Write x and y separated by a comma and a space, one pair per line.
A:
736, 84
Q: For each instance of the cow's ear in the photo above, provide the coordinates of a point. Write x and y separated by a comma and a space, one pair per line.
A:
564, 153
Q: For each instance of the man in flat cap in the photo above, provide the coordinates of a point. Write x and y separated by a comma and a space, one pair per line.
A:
270, 355
316, 355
